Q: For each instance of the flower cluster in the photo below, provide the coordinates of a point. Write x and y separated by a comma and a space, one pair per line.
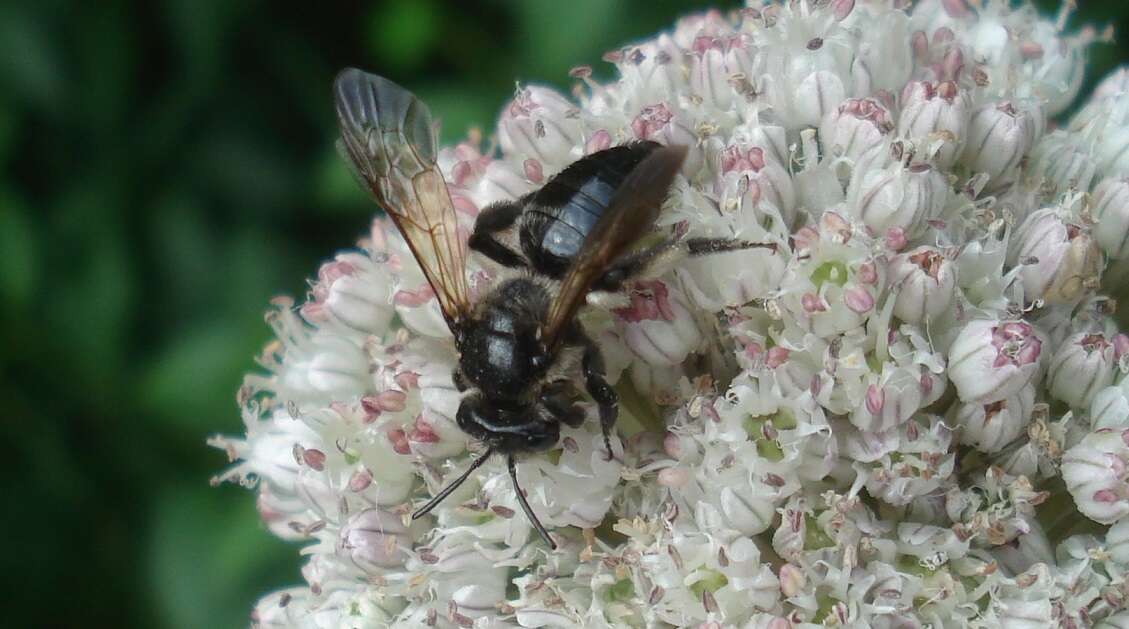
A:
912, 412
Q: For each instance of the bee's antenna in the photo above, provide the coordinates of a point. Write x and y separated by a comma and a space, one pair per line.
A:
425, 509
525, 505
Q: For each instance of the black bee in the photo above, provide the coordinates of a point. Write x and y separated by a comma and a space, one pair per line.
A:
520, 346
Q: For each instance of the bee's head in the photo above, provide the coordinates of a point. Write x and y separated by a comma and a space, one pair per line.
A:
507, 426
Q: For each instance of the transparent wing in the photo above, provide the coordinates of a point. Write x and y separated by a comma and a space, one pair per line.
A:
388, 139
631, 213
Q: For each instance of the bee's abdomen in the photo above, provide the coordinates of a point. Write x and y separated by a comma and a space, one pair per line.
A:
560, 216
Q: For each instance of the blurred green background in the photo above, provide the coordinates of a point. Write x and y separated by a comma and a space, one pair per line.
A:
168, 167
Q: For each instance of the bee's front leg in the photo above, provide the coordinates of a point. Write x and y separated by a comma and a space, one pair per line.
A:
559, 399
459, 379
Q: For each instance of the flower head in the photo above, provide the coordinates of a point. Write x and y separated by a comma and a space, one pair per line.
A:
869, 423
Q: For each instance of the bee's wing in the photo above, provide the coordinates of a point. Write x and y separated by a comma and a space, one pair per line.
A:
630, 214
388, 138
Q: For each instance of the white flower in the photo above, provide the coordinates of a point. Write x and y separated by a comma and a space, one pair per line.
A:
1082, 366
1096, 472
1111, 211
925, 282
999, 136
658, 325
991, 360
1065, 160
1058, 257
990, 427
902, 197
856, 131
746, 179
934, 119
1110, 407
789, 452
538, 123
1119, 620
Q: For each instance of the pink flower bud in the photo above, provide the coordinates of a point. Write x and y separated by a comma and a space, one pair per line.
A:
935, 118
888, 401
597, 142
391, 401
895, 239
314, 458
1111, 211
858, 300
360, 480
533, 171
776, 357
990, 427
399, 440
540, 123
842, 8
992, 360
897, 196
1083, 365
925, 282
1096, 471
1061, 262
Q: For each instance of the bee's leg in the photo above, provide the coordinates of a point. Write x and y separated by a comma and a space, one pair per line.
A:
459, 380
657, 259
607, 400
496, 218
559, 398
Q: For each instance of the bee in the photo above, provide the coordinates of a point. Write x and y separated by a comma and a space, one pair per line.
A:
520, 346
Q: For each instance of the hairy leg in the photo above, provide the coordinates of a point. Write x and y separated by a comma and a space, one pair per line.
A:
656, 259
560, 398
592, 366
496, 218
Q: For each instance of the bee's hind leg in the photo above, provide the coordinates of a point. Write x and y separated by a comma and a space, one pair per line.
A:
607, 400
491, 221
656, 259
